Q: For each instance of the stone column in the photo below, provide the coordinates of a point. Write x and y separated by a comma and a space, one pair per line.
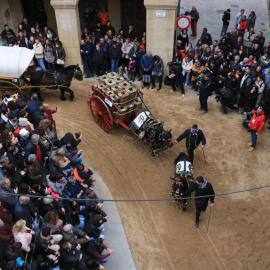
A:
114, 9
68, 27
160, 30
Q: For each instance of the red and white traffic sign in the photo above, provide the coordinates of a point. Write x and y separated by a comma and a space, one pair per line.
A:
183, 22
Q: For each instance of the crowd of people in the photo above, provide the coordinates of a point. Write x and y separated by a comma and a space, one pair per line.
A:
50, 215
49, 52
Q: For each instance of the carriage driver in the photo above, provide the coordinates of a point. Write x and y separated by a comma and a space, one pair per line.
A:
194, 137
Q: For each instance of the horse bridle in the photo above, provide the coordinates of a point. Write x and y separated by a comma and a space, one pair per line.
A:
76, 72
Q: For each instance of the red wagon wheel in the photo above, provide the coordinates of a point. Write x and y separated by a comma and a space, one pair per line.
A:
101, 113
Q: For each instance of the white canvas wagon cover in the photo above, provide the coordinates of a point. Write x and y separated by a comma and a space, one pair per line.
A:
14, 61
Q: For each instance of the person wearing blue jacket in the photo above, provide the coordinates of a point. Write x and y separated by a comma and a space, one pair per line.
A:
147, 64
86, 54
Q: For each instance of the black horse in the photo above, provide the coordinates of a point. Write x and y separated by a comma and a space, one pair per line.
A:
61, 77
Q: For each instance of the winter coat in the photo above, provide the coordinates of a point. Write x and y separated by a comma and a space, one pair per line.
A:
54, 168
242, 27
248, 39
226, 17
196, 73
206, 88
8, 201
195, 15
115, 53
38, 50
187, 66
73, 239
86, 52
91, 229
99, 57
257, 122
178, 78
49, 55
25, 212
229, 98
4, 216
146, 62
60, 53
34, 173
70, 259
158, 67
25, 238
251, 22
139, 56
37, 117
132, 66
6, 233
207, 56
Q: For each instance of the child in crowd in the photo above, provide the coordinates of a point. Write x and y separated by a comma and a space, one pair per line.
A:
48, 113
84, 175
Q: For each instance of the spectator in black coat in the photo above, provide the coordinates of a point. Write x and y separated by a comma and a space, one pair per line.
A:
256, 51
235, 65
8, 201
4, 117
6, 30
32, 107
70, 256
95, 249
88, 263
15, 157
73, 139
38, 116
14, 251
73, 154
226, 21
86, 54
175, 78
36, 148
99, 59
115, 54
206, 88
54, 167
94, 226
25, 210
13, 175
228, 99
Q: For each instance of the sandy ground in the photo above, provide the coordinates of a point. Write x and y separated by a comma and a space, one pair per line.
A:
160, 235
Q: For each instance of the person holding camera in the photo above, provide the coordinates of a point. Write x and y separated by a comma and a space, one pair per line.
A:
206, 86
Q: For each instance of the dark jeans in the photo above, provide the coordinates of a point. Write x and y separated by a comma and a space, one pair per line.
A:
100, 69
253, 137
181, 87
153, 78
203, 102
199, 208
191, 154
88, 67
224, 108
51, 66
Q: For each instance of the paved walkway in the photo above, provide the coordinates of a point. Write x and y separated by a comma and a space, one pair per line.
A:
115, 236
211, 12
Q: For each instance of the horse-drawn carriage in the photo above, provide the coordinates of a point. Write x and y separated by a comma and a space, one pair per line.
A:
14, 68
114, 100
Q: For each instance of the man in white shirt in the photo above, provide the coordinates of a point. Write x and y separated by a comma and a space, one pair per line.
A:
4, 118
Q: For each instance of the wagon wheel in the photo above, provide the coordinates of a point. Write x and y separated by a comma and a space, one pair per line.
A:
101, 113
8, 86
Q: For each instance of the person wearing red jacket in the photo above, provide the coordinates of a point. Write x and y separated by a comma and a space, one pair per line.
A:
242, 26
22, 124
48, 113
256, 125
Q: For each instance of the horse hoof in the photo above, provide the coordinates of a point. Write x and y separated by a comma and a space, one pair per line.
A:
71, 97
63, 98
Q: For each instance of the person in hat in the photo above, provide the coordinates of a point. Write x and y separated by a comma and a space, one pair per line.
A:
256, 125
22, 124
139, 56
194, 137
206, 88
115, 55
13, 122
